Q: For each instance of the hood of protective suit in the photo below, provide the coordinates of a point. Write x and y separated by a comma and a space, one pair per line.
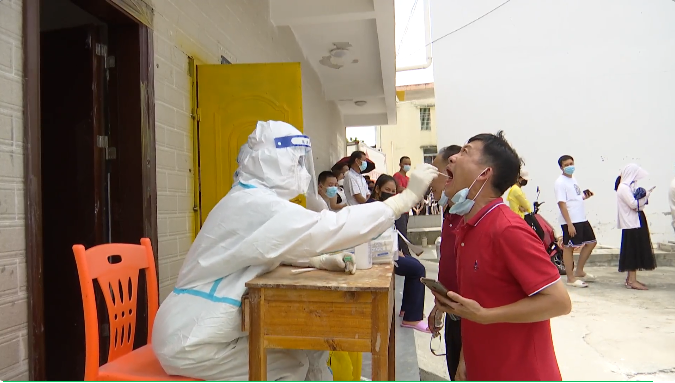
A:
278, 157
243, 152
632, 173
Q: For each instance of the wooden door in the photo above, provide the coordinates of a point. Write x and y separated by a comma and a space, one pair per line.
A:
72, 186
231, 99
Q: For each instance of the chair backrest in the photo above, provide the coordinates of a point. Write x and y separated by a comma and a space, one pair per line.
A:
116, 268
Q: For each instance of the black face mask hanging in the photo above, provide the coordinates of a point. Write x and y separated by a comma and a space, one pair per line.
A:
384, 196
523, 182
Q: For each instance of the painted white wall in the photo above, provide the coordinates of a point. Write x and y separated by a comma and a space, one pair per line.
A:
591, 78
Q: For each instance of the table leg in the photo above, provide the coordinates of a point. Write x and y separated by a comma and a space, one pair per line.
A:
392, 347
380, 337
257, 355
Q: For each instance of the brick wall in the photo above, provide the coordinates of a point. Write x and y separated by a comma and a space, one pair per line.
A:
13, 303
242, 32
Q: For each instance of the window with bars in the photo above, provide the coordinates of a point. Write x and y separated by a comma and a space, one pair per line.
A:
429, 153
425, 118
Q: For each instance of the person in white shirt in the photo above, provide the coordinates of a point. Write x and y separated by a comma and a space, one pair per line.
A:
577, 232
328, 190
355, 186
637, 252
671, 200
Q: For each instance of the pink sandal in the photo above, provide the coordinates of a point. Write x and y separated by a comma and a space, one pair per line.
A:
420, 326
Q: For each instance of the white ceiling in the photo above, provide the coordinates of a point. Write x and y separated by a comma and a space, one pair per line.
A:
368, 25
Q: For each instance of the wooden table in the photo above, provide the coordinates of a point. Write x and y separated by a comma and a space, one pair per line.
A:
322, 310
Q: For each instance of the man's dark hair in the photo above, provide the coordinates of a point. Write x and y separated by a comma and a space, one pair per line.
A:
323, 176
367, 177
356, 155
449, 151
403, 158
564, 158
498, 154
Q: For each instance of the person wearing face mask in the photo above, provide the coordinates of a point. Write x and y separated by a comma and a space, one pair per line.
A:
355, 185
637, 252
412, 303
577, 231
401, 178
328, 190
508, 287
339, 172
517, 200
447, 267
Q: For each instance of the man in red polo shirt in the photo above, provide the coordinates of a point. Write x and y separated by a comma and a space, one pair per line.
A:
447, 268
508, 287
401, 178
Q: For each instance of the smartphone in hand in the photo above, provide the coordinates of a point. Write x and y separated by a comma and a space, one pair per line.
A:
435, 285
588, 193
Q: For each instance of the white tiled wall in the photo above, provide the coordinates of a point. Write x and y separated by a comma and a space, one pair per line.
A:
206, 29
13, 298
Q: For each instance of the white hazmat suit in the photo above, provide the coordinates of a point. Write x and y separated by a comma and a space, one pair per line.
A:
197, 331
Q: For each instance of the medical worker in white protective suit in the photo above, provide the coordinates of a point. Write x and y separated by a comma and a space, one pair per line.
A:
197, 331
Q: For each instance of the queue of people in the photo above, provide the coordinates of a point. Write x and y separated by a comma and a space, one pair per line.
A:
526, 276
357, 191
197, 331
497, 309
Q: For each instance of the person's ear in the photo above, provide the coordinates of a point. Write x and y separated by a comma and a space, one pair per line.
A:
487, 173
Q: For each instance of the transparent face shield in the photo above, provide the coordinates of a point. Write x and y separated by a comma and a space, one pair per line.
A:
303, 169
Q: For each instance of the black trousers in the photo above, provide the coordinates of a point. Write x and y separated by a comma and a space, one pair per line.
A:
412, 302
453, 344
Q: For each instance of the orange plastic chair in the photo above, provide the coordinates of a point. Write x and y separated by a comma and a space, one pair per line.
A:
116, 268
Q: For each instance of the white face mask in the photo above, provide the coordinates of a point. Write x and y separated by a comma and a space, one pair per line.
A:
463, 206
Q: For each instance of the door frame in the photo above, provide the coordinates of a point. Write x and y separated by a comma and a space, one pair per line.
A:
33, 168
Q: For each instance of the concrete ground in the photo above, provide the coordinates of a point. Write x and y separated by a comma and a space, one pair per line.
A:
612, 333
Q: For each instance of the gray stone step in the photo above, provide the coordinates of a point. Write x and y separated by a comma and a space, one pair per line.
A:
407, 367
668, 247
415, 236
428, 376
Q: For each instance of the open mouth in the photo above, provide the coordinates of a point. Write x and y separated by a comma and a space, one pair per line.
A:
450, 176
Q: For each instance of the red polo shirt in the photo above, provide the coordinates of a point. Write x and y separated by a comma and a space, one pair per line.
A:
500, 261
401, 180
447, 266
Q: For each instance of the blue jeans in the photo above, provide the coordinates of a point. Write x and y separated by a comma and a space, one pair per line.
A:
413, 290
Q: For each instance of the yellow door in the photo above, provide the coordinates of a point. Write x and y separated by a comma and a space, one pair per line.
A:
231, 99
